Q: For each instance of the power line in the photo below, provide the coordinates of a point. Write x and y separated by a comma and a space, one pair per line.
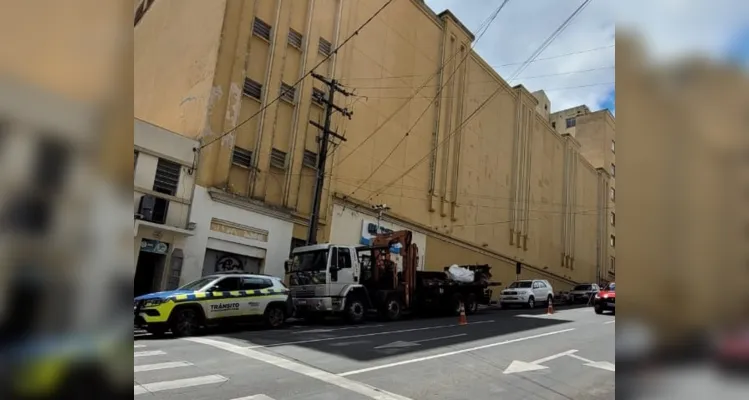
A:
493, 66
536, 53
408, 99
492, 18
356, 32
545, 90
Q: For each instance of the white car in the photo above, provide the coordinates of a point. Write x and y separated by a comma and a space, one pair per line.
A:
528, 293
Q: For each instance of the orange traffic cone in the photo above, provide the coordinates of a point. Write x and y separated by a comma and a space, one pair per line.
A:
550, 309
462, 319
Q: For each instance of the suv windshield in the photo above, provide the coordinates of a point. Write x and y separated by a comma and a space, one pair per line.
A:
611, 287
521, 285
581, 287
309, 261
195, 285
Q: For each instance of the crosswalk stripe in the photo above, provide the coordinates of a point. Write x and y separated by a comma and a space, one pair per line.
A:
178, 384
148, 353
255, 397
154, 367
139, 346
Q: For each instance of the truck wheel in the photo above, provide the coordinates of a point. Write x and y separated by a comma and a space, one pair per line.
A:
531, 303
393, 309
274, 316
355, 310
472, 306
185, 322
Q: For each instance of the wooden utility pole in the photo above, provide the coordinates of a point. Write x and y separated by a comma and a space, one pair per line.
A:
322, 144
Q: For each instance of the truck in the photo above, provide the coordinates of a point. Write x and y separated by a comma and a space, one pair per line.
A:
355, 281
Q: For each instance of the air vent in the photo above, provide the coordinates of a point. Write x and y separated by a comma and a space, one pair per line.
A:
288, 93
167, 177
241, 157
318, 96
324, 47
309, 159
252, 89
295, 39
261, 29
277, 159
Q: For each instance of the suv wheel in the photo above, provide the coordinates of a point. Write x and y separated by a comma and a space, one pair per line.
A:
275, 316
186, 322
531, 303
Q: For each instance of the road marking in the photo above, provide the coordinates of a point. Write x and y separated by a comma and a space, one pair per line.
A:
609, 322
154, 367
522, 366
401, 344
336, 329
452, 353
596, 364
178, 384
255, 397
324, 376
148, 353
139, 346
364, 335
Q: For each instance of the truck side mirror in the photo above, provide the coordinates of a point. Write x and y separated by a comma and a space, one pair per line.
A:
287, 266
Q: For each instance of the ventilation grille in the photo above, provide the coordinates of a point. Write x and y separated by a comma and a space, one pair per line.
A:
252, 89
261, 29
324, 47
167, 177
318, 96
309, 159
241, 157
288, 92
295, 39
277, 159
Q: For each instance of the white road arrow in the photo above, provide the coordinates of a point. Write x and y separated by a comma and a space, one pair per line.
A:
596, 364
522, 366
401, 344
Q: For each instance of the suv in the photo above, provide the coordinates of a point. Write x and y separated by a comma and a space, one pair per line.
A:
528, 293
214, 299
605, 300
583, 293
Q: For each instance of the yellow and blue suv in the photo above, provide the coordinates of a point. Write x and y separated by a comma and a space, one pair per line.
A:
212, 300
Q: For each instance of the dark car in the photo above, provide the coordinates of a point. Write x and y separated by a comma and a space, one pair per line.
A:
605, 300
583, 293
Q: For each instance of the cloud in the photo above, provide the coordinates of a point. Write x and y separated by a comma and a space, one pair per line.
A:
583, 73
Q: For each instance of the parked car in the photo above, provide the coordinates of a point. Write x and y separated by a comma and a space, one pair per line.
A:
528, 293
582, 294
605, 300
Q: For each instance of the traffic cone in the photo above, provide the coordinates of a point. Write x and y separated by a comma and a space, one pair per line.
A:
550, 308
462, 319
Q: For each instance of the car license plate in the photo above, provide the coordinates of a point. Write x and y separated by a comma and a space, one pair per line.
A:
610, 304
511, 298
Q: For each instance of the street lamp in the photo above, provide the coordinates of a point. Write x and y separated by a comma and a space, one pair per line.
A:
381, 209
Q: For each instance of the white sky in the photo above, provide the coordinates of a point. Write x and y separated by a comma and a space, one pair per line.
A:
671, 27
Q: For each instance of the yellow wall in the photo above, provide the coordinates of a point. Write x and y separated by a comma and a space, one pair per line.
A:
495, 181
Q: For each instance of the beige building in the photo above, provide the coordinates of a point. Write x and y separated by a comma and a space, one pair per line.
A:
502, 187
596, 133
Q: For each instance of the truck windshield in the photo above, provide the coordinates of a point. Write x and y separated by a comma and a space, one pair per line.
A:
521, 285
310, 261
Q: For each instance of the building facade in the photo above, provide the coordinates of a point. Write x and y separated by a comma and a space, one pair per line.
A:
596, 133
164, 182
499, 186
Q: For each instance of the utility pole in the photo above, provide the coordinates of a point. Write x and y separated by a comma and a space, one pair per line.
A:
381, 209
322, 144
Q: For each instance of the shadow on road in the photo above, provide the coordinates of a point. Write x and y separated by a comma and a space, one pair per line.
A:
376, 339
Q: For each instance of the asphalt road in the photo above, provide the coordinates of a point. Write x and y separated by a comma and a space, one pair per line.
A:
507, 354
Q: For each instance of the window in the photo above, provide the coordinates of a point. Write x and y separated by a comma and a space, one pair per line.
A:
256, 283
613, 218
261, 29
295, 39
343, 257
167, 177
613, 146
541, 285
612, 264
612, 240
252, 88
277, 159
227, 284
613, 169
288, 93
241, 157
571, 122
309, 159
324, 47
318, 96
135, 160
554, 125
297, 243
613, 194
